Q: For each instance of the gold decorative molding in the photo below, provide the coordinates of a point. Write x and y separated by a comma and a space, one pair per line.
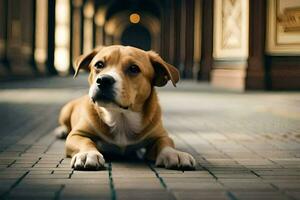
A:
290, 19
283, 27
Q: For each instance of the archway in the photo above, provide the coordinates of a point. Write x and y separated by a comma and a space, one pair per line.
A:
136, 35
117, 24
116, 18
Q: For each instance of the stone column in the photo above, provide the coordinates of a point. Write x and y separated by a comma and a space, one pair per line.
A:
51, 38
88, 26
182, 37
20, 29
171, 33
255, 77
62, 38
207, 41
109, 39
99, 35
4, 65
166, 27
189, 39
177, 32
197, 36
41, 30
76, 31
28, 34
230, 43
99, 23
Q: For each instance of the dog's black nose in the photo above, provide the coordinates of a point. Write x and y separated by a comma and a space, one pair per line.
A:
105, 81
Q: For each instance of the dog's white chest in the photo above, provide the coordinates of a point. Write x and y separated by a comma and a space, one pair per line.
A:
124, 125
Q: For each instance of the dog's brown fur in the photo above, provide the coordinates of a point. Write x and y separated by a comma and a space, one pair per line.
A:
83, 119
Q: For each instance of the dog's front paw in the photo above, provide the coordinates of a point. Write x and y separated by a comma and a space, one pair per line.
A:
88, 160
171, 158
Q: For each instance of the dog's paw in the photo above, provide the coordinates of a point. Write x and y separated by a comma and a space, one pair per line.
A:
88, 160
171, 158
61, 132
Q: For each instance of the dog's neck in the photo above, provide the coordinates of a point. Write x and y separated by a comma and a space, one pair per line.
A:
123, 124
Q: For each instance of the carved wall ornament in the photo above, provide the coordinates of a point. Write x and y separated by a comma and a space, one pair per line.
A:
283, 27
231, 24
290, 19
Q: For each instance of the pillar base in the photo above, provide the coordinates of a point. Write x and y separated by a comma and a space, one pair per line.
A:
229, 78
255, 79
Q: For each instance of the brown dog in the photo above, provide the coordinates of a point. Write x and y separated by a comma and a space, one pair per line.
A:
121, 112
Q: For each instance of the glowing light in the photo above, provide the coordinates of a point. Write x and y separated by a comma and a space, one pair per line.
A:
41, 30
61, 61
100, 18
62, 39
134, 18
89, 10
62, 35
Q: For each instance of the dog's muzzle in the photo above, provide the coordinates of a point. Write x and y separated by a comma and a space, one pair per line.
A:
105, 89
105, 82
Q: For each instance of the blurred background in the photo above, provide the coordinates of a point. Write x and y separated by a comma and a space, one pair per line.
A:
236, 44
247, 144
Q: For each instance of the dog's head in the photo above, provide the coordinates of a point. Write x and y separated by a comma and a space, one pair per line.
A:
123, 76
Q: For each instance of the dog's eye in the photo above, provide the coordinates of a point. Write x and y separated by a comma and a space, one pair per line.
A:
99, 65
133, 69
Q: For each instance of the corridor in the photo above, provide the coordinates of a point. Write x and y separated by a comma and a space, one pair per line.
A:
247, 146
236, 108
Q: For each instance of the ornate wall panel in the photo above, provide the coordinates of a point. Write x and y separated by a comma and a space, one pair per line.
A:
231, 29
283, 27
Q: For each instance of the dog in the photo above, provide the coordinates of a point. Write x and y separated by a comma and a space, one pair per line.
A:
121, 112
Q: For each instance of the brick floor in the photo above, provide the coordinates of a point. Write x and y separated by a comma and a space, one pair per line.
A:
247, 146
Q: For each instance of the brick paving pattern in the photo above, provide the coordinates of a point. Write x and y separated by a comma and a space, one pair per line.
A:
247, 146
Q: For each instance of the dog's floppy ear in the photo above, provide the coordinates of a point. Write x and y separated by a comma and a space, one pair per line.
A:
163, 71
83, 61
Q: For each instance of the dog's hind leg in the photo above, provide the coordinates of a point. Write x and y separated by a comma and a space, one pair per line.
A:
61, 132
64, 129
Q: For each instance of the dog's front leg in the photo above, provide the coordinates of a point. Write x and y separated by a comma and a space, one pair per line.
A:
165, 155
83, 152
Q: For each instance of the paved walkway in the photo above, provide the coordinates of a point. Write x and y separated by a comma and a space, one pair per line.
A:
247, 146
